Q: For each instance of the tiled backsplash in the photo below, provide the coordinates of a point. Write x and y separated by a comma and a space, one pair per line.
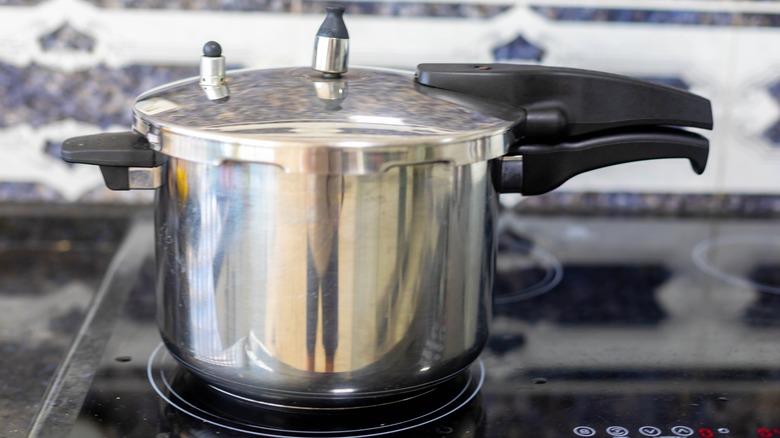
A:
72, 67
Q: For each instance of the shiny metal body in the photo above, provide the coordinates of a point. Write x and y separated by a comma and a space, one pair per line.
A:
325, 290
146, 178
286, 117
331, 55
212, 77
323, 242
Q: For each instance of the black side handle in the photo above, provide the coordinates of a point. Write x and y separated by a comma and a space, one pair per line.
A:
545, 166
565, 102
115, 153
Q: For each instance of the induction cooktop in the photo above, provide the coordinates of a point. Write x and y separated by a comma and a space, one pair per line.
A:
602, 327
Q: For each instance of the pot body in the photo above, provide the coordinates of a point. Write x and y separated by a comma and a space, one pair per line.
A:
322, 290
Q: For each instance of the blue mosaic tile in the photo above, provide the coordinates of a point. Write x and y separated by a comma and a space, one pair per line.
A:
675, 17
773, 133
774, 91
20, 2
662, 17
54, 149
389, 9
200, 5
66, 37
101, 96
518, 49
759, 20
24, 191
413, 9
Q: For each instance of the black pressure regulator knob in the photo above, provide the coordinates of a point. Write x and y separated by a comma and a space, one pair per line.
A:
212, 49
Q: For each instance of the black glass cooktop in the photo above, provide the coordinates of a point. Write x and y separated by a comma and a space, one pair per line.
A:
623, 327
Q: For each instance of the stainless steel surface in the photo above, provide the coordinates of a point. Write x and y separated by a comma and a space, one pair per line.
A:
323, 242
331, 91
212, 77
325, 289
331, 55
146, 177
278, 117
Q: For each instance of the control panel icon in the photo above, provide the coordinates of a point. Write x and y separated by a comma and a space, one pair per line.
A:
650, 431
617, 431
682, 431
584, 431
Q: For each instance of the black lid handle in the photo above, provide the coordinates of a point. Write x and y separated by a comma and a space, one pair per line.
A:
565, 102
544, 167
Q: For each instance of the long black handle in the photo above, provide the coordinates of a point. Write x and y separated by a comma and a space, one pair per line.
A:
563, 102
545, 166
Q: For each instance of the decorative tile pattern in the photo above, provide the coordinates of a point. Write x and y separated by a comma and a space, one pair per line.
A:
199, 5
23, 191
662, 17
101, 96
654, 17
19, 2
758, 20
414, 9
773, 133
54, 149
72, 67
518, 49
66, 37
381, 8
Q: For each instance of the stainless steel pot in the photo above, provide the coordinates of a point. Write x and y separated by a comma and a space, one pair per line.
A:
327, 238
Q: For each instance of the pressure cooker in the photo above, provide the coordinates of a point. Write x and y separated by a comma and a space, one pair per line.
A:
326, 236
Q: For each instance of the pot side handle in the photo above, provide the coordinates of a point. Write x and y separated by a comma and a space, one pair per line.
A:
545, 166
125, 159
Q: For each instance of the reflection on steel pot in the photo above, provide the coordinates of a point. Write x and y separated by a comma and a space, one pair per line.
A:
326, 237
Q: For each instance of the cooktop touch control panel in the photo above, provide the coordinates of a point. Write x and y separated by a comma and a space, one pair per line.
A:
676, 431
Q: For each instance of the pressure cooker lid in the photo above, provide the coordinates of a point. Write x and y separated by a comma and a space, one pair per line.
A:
361, 121
333, 119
